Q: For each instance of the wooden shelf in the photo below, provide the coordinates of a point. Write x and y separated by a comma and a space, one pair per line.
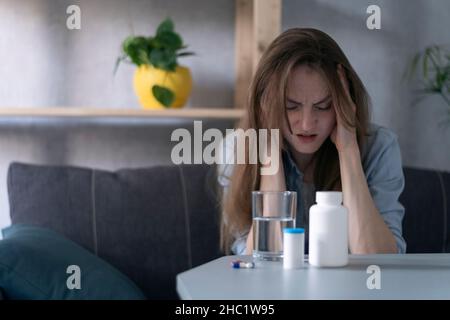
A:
194, 113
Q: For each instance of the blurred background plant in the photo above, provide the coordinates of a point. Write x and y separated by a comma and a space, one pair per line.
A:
158, 52
431, 68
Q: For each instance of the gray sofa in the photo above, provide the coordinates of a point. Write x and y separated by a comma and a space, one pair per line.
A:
152, 223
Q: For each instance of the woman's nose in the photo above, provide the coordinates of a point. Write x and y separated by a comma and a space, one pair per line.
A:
308, 120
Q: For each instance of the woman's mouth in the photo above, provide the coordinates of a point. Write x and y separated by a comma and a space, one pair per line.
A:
306, 138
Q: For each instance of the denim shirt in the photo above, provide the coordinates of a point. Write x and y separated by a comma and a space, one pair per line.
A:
382, 165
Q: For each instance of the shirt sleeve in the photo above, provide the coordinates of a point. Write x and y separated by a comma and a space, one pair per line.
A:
384, 173
225, 162
239, 245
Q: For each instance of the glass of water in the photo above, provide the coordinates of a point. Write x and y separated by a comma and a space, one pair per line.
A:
272, 212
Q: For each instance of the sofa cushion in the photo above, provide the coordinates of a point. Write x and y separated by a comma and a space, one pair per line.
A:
150, 223
37, 263
426, 223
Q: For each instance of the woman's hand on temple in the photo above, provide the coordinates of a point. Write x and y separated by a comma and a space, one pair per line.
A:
344, 138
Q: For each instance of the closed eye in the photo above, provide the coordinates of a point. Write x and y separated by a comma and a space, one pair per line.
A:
323, 107
292, 107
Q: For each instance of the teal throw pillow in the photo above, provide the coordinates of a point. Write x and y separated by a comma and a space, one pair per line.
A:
38, 263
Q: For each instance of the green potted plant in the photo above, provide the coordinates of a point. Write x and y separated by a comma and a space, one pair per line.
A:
159, 81
432, 66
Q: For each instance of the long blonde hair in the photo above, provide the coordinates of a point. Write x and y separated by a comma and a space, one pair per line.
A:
266, 108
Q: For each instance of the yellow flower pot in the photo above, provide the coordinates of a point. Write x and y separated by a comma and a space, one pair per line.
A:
146, 76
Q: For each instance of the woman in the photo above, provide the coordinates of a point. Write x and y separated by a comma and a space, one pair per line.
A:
305, 86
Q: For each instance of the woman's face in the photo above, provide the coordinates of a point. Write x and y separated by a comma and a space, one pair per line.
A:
309, 110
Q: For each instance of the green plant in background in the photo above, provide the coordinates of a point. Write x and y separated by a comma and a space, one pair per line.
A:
160, 51
432, 66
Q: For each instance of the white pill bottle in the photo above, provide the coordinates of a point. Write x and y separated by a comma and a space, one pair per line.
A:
328, 231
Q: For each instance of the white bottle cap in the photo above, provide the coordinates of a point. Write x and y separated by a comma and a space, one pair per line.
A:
329, 197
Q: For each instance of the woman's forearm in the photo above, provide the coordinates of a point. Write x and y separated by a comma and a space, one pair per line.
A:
368, 233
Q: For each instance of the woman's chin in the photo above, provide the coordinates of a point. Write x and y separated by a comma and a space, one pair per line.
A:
306, 149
